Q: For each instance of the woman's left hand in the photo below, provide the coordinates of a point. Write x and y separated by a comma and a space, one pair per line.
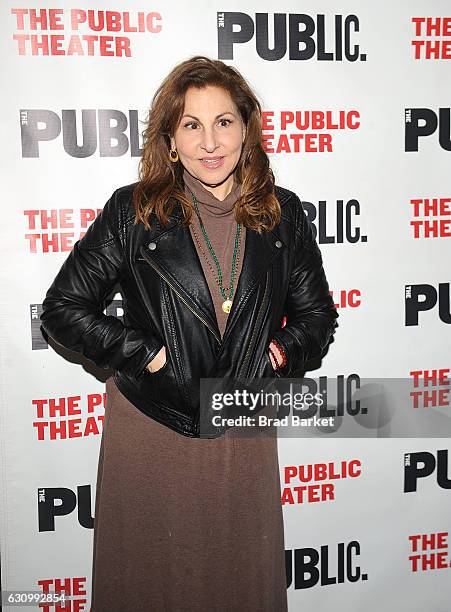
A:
276, 351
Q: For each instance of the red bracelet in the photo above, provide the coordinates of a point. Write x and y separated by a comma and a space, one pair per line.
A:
274, 357
282, 352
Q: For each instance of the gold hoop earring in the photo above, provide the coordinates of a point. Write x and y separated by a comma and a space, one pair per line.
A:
172, 157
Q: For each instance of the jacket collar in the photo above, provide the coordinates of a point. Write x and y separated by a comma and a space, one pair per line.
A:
173, 254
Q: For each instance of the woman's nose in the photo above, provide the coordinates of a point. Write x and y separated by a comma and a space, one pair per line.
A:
209, 140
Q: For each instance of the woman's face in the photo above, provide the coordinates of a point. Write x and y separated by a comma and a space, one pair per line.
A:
209, 138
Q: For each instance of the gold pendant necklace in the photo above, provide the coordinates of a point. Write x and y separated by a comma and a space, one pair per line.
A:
227, 305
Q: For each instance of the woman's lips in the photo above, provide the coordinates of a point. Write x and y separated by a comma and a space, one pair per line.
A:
213, 163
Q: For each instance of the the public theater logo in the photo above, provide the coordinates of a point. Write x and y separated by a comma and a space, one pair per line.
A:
429, 552
430, 217
294, 36
430, 388
106, 132
336, 222
56, 504
431, 38
66, 418
80, 32
427, 124
315, 483
313, 131
314, 567
61, 594
425, 298
423, 466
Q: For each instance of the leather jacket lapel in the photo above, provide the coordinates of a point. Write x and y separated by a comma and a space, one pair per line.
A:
172, 253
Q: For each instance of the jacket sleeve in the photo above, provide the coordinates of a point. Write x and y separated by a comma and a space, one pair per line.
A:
309, 308
72, 311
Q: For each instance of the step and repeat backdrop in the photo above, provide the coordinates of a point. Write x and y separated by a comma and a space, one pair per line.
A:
357, 109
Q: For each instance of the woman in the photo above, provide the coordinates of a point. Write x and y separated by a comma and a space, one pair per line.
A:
211, 256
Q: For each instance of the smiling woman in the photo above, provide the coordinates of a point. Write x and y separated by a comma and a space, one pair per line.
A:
209, 138
211, 255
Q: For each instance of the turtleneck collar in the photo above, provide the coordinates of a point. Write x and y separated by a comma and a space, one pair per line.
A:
210, 203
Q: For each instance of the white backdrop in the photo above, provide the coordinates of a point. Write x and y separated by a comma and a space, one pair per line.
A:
379, 85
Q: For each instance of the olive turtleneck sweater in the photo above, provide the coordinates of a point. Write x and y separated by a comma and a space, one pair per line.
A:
219, 221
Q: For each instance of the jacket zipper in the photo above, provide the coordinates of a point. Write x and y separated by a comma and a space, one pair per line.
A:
204, 321
254, 333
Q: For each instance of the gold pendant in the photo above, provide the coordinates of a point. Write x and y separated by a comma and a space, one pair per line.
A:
227, 305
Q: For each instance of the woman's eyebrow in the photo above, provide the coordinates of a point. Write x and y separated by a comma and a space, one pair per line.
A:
217, 116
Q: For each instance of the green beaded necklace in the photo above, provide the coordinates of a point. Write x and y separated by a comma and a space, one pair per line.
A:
227, 304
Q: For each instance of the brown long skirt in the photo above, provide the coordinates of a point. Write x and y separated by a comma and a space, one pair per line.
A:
185, 524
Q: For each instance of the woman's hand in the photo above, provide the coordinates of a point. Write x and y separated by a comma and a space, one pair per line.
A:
279, 357
158, 361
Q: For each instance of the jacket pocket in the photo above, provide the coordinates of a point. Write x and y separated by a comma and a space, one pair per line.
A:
161, 370
265, 369
162, 386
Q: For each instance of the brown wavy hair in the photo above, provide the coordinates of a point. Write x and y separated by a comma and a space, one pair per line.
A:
160, 179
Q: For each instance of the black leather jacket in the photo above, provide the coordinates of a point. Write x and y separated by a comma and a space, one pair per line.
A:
166, 301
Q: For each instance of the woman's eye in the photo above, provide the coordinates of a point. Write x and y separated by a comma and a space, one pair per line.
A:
194, 124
